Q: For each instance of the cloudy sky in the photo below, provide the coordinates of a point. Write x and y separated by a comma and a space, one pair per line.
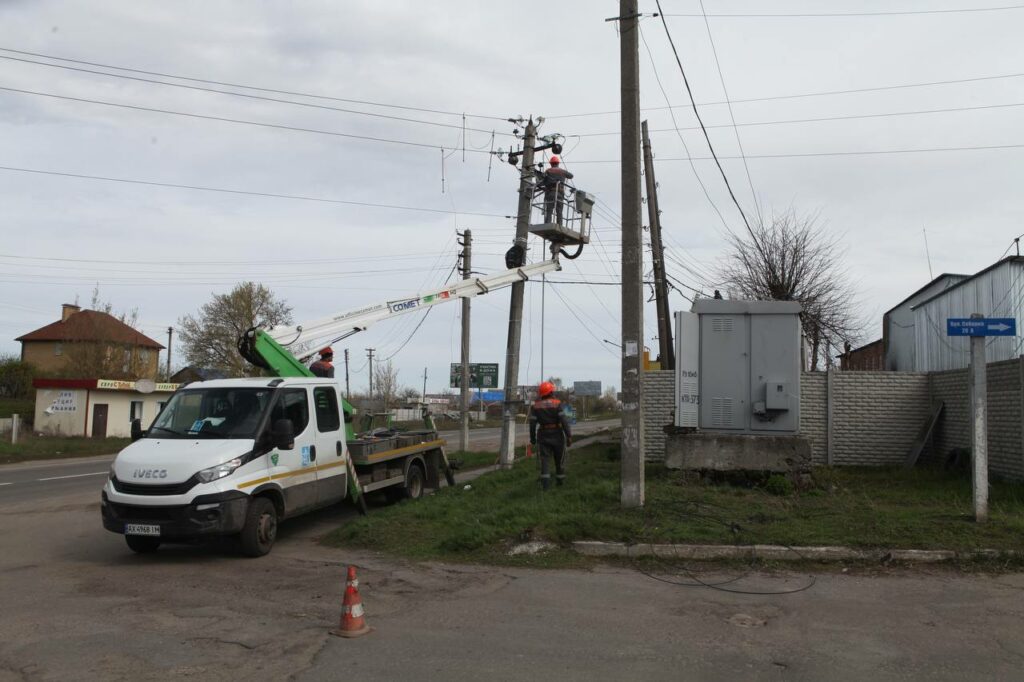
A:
830, 100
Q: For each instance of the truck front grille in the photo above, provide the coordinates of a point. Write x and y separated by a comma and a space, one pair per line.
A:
154, 489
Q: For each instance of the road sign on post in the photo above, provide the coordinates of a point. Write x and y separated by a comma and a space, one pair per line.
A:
978, 327
481, 375
981, 326
587, 388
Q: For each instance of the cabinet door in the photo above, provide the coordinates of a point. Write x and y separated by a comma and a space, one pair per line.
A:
725, 374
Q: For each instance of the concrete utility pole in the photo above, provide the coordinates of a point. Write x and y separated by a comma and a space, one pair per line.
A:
348, 393
467, 268
369, 355
632, 471
978, 381
667, 352
424, 385
506, 451
170, 333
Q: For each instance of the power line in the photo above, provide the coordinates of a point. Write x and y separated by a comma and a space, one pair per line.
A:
823, 93
869, 152
246, 95
955, 10
822, 119
707, 138
303, 261
252, 87
223, 119
675, 125
735, 130
273, 195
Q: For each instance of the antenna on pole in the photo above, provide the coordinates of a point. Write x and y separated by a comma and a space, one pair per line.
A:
927, 253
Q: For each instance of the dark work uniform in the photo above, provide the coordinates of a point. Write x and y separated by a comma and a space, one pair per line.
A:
549, 428
553, 183
322, 368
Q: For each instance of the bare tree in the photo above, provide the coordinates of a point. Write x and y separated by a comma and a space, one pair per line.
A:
385, 383
791, 258
210, 338
409, 394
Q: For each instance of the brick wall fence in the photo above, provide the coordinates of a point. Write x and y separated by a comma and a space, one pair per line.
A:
875, 416
659, 395
1005, 412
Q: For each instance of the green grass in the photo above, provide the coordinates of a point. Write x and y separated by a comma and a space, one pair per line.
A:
467, 461
32, 447
890, 508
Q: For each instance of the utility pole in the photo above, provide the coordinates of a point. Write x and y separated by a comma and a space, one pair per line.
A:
369, 354
506, 452
467, 262
170, 333
632, 464
978, 381
658, 258
348, 393
543, 287
424, 385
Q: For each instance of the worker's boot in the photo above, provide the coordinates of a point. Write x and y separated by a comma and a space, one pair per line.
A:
545, 483
560, 480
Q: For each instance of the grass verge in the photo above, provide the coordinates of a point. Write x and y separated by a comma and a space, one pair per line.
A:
892, 508
32, 447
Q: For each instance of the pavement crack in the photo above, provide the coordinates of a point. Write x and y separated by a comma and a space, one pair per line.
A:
218, 640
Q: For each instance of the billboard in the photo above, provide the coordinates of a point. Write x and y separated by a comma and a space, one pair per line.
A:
481, 375
587, 388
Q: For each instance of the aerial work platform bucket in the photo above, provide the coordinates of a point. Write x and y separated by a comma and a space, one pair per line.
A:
562, 218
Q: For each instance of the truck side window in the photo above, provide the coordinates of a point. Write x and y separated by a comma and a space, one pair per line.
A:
326, 401
293, 406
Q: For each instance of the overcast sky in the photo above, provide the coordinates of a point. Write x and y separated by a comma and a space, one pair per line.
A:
164, 251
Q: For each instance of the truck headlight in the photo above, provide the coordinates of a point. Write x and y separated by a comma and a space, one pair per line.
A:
219, 471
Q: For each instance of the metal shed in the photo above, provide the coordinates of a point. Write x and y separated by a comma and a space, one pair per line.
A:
996, 291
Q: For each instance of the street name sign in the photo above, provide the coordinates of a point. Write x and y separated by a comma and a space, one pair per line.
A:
981, 326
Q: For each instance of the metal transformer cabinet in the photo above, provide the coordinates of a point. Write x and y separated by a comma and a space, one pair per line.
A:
746, 366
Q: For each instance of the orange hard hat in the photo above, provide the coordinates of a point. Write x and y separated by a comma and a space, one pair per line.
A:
326, 351
545, 389
554, 161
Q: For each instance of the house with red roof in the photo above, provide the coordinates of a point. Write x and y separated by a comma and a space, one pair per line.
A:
90, 344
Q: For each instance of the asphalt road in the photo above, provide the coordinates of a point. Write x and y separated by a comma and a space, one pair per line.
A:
31, 480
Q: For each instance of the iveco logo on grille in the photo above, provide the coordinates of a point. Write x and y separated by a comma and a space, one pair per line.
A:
150, 473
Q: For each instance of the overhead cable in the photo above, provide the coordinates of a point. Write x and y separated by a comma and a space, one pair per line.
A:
273, 195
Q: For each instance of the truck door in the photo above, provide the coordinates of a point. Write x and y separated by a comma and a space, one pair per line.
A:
330, 446
295, 469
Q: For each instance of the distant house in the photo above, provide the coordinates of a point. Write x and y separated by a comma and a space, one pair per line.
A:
867, 358
90, 343
191, 373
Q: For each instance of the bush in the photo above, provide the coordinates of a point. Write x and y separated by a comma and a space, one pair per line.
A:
777, 484
16, 378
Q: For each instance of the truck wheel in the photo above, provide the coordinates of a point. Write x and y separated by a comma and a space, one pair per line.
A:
260, 530
142, 544
414, 478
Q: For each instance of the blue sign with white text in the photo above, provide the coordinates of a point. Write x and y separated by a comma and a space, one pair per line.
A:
981, 326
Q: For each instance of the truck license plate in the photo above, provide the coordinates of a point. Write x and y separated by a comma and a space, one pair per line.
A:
141, 529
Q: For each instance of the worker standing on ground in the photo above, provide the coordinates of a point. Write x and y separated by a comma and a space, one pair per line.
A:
547, 417
553, 183
324, 367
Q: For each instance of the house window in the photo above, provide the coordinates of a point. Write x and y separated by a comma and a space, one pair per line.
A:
136, 411
58, 348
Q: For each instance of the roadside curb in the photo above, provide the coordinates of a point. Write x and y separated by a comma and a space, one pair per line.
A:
782, 553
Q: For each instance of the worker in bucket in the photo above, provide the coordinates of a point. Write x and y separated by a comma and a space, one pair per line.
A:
549, 428
324, 367
553, 184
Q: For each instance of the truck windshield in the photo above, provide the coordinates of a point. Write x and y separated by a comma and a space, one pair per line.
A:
212, 413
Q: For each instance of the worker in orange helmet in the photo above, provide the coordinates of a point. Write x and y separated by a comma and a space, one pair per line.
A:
549, 428
553, 182
324, 367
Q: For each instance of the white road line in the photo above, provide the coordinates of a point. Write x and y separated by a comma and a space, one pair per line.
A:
57, 478
6, 484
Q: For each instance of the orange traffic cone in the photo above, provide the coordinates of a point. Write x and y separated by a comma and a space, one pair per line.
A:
353, 622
